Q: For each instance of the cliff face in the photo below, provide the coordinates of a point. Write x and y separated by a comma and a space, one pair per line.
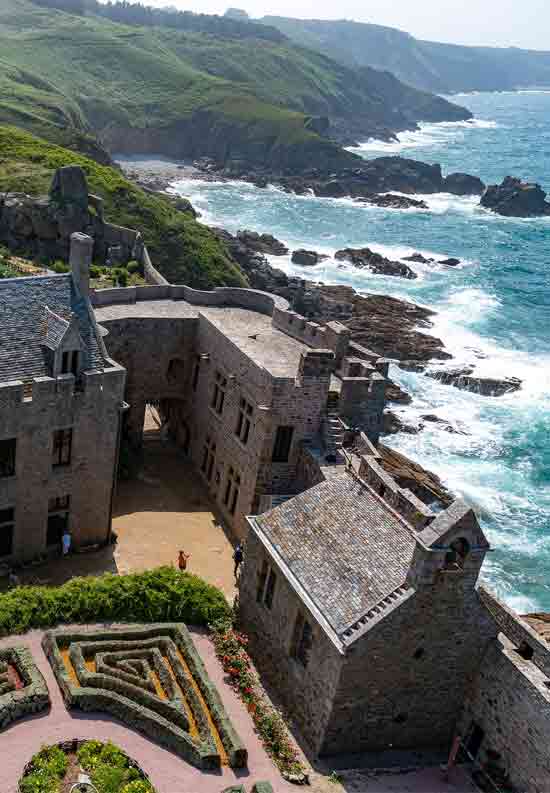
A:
428, 65
260, 100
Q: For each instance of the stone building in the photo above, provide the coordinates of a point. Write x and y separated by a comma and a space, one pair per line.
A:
61, 402
248, 389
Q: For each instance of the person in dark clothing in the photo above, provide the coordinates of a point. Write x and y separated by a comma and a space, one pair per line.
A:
238, 557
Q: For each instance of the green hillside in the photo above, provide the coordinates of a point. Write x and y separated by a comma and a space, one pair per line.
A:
428, 65
189, 93
183, 250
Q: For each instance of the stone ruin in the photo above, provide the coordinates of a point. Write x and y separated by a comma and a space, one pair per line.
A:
42, 226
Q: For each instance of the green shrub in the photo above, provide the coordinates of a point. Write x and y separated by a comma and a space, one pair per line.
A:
53, 759
121, 275
160, 595
41, 781
95, 271
138, 786
108, 778
7, 271
59, 267
89, 753
133, 267
112, 755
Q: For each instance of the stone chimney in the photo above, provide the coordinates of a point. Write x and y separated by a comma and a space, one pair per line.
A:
80, 259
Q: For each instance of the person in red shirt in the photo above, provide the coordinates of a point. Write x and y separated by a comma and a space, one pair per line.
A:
182, 561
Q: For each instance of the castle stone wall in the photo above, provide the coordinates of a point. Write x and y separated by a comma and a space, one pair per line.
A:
92, 411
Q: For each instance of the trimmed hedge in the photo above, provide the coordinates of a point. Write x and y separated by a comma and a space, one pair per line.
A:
158, 595
122, 694
33, 697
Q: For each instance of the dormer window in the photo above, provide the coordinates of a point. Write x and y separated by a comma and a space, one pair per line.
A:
69, 362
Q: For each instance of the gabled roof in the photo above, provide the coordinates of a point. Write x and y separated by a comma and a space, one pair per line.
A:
26, 326
343, 545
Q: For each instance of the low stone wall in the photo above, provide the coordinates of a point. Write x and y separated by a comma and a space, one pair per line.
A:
403, 501
251, 299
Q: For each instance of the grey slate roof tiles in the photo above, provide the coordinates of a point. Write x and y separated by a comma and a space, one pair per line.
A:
345, 547
24, 324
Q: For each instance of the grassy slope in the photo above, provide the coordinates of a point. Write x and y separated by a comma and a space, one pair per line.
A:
182, 249
425, 64
89, 73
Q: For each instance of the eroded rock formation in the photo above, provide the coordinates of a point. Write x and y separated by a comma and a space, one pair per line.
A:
514, 198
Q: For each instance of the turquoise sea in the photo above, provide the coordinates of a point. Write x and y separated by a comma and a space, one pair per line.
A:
494, 311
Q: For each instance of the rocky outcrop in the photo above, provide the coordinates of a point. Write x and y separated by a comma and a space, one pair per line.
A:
392, 424
514, 198
427, 486
391, 201
307, 258
463, 184
364, 257
262, 243
431, 418
419, 258
465, 378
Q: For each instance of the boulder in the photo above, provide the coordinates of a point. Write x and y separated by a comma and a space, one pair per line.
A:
514, 198
417, 257
263, 243
452, 262
463, 184
364, 257
391, 201
307, 258
433, 419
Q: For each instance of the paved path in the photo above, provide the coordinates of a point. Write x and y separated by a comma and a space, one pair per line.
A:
168, 772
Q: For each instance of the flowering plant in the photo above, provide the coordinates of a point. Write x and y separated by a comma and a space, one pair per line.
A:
230, 646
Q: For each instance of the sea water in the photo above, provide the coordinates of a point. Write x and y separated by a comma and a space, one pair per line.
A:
493, 311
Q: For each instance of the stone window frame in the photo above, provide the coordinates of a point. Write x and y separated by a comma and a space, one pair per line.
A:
218, 396
282, 445
302, 640
244, 420
7, 521
232, 490
8, 457
58, 507
267, 584
208, 458
62, 447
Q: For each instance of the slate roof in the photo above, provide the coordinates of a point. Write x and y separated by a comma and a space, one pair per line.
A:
24, 324
343, 545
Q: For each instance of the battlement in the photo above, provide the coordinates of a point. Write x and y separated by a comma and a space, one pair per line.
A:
59, 389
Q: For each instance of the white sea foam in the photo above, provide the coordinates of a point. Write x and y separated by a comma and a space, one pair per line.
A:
428, 134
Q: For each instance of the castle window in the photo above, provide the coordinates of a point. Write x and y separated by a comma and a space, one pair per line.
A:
69, 362
302, 640
457, 554
218, 397
7, 524
283, 442
418, 653
175, 373
262, 578
270, 588
232, 488
196, 372
244, 421
401, 718
62, 447
7, 457
58, 519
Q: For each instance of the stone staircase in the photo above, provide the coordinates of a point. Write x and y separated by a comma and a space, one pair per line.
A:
333, 434
389, 602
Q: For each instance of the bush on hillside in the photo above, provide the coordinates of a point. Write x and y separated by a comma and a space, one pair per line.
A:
161, 595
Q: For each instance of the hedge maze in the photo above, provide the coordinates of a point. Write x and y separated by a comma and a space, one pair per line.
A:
23, 690
153, 680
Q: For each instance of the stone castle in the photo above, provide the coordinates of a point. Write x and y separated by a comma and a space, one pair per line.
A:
362, 601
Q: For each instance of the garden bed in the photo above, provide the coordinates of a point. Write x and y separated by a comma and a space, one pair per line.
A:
23, 690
